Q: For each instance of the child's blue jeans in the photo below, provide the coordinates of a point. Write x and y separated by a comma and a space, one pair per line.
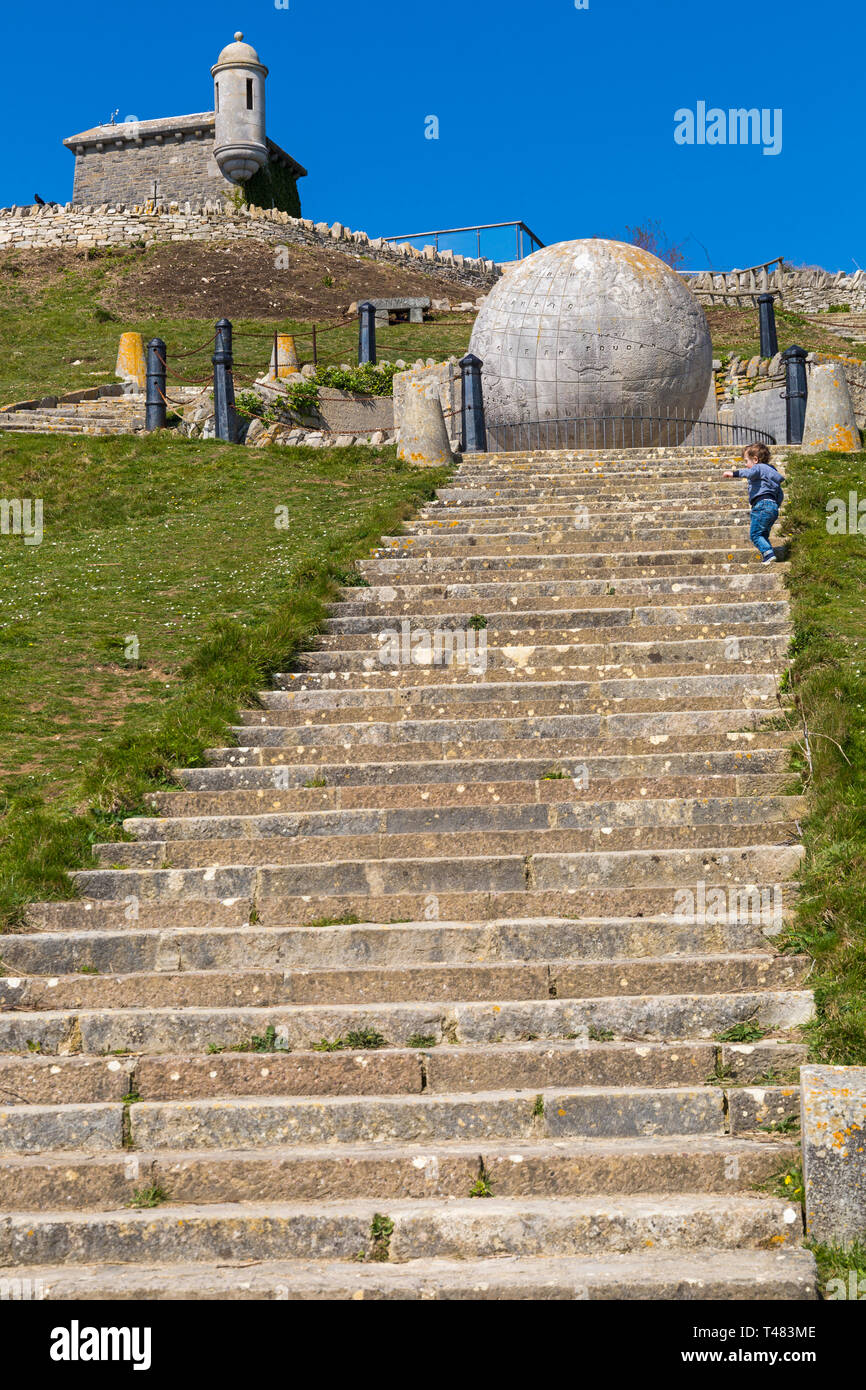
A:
764, 517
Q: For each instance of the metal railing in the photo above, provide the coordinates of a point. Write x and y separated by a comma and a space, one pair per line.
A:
521, 231
636, 431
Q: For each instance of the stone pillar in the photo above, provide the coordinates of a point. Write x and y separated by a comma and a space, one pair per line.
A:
131, 366
833, 1109
830, 420
423, 436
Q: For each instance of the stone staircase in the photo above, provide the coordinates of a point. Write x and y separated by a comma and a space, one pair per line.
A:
849, 326
106, 415
533, 880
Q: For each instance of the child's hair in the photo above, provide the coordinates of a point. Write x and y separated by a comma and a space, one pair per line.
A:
757, 453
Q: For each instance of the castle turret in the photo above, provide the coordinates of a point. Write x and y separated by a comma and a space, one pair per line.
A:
240, 147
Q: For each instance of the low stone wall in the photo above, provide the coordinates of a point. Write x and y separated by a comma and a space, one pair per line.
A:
741, 384
805, 290
35, 228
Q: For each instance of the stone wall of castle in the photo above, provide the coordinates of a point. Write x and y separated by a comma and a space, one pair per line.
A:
90, 226
182, 170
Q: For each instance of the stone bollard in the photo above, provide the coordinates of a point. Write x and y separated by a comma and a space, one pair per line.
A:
423, 436
796, 392
284, 358
830, 419
155, 407
366, 333
131, 366
225, 418
833, 1116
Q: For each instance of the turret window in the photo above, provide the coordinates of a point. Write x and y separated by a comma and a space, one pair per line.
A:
217, 89
249, 94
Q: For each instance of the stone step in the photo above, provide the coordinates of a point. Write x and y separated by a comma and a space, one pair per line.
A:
124, 951
655, 1018
535, 1066
263, 1122
269, 745
537, 596
320, 849
749, 682
761, 656
420, 1229
573, 1167
573, 542
550, 789
788, 1275
745, 755
544, 979
575, 523
742, 865
474, 816
616, 564
549, 628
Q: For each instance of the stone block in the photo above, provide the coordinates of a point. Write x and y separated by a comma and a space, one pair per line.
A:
833, 1101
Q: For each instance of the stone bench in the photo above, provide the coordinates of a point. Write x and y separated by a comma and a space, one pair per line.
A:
403, 309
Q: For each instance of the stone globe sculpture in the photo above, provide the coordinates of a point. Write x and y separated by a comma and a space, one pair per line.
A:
593, 330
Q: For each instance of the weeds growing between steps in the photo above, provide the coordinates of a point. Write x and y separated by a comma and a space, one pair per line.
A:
827, 579
175, 545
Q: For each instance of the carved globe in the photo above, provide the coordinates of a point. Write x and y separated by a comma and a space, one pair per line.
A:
589, 329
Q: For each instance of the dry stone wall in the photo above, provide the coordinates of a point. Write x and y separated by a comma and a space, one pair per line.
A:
85, 226
804, 290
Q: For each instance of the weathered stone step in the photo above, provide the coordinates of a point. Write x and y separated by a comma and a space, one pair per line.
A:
554, 786
632, 693
545, 979
747, 755
711, 1275
761, 656
425, 1228
754, 864
375, 848
528, 595
659, 1017
572, 1167
572, 523
268, 745
549, 624
573, 542
129, 949
616, 563
535, 1066
472, 815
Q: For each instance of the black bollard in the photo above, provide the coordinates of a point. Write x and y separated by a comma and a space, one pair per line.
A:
366, 333
767, 318
796, 392
226, 421
474, 429
154, 408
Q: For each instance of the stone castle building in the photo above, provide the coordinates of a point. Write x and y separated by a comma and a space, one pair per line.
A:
220, 155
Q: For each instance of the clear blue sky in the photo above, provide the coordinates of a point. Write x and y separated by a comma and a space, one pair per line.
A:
561, 117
